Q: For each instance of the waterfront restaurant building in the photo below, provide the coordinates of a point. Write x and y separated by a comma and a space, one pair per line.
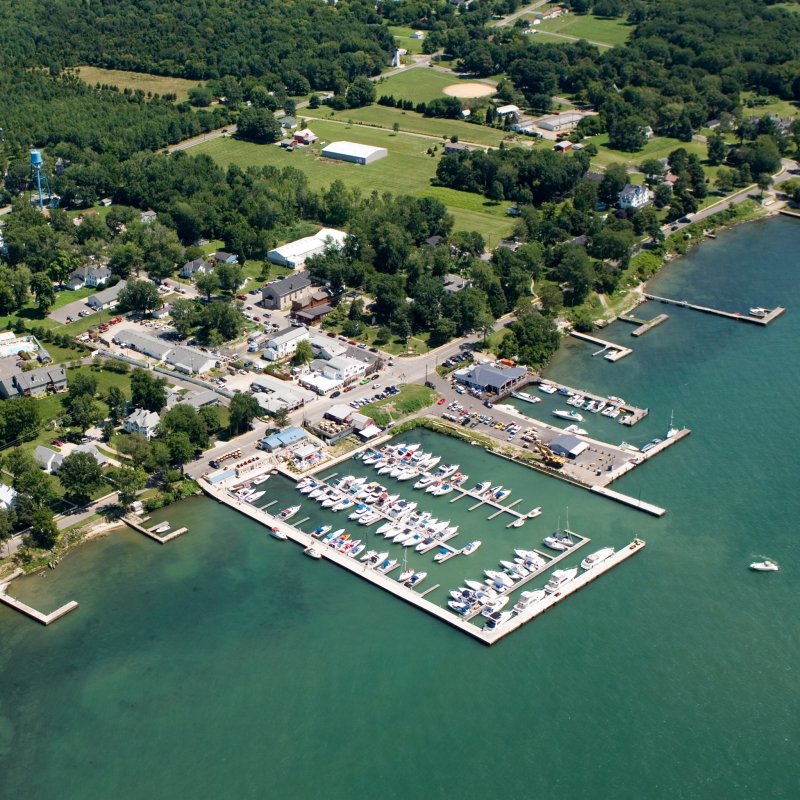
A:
489, 378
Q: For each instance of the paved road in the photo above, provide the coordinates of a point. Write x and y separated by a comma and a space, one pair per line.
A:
512, 18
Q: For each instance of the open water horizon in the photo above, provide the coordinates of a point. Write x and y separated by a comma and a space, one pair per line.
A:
228, 665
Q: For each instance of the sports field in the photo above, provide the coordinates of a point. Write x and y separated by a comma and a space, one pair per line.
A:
420, 85
407, 169
157, 84
610, 32
411, 122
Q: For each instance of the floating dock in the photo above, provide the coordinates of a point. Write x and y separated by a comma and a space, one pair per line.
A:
44, 619
630, 414
612, 351
643, 325
627, 500
150, 532
768, 317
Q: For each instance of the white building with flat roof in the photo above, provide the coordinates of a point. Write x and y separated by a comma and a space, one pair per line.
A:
284, 343
353, 152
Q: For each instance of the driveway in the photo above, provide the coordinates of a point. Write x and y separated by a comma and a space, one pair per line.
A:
72, 309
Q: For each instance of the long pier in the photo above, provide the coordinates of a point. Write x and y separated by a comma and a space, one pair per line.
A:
28, 611
768, 317
627, 500
613, 351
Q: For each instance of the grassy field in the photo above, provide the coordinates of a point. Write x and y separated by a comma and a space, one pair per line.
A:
418, 85
783, 108
657, 147
156, 84
411, 122
412, 397
403, 38
406, 170
609, 32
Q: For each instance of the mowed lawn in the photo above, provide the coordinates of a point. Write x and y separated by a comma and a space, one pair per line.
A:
403, 38
657, 147
408, 169
611, 32
156, 84
410, 121
420, 85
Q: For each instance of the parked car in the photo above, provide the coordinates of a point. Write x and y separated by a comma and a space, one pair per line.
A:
335, 394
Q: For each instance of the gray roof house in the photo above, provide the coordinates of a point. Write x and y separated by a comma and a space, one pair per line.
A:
192, 268
489, 378
221, 257
280, 293
89, 275
36, 382
106, 298
47, 459
148, 216
143, 422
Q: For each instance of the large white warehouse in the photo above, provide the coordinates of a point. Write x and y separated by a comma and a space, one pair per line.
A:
294, 254
355, 153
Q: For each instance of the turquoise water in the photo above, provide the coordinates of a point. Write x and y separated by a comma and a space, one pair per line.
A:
228, 665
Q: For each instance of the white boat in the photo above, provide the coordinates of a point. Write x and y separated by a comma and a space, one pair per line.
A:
560, 578
527, 599
386, 565
432, 487
405, 574
260, 479
251, 498
474, 585
445, 488
368, 555
558, 541
277, 533
459, 606
480, 488
471, 547
547, 388
416, 579
570, 415
289, 512
527, 553
563, 390
407, 474
494, 605
498, 577
331, 500
385, 527
528, 398
332, 535
759, 312
576, 430
446, 472
501, 495
497, 620
322, 530
312, 552
532, 564
518, 522
164, 527
424, 480
343, 505
764, 566
356, 550
597, 558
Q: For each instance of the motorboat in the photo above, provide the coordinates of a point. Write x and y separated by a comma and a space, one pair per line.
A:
343, 505
368, 555
260, 479
385, 527
424, 479
288, 513
164, 526
526, 554
474, 585
573, 415
407, 474
307, 488
416, 579
405, 574
558, 541
430, 541
532, 564
547, 388
563, 390
386, 565
651, 444
312, 552
528, 398
360, 510
332, 535
441, 555
493, 491
446, 472
377, 558
759, 312
470, 547
498, 577
322, 530
251, 498
445, 488
480, 488
518, 522
331, 500
497, 620
494, 605
459, 606
527, 599
560, 578
764, 566
433, 486
575, 429
597, 558
277, 533
501, 495
356, 550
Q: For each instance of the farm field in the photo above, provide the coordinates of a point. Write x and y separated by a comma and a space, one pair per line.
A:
610, 32
157, 84
410, 121
420, 85
403, 38
406, 170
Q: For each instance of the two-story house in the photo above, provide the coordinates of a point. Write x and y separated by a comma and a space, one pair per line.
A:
143, 422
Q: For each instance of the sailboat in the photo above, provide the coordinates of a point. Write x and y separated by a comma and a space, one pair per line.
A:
672, 429
407, 571
557, 540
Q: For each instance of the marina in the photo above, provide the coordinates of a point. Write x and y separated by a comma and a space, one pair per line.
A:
629, 414
757, 316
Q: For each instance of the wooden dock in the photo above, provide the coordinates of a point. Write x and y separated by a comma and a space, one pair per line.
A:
149, 532
734, 315
611, 350
44, 619
648, 326
627, 500
630, 414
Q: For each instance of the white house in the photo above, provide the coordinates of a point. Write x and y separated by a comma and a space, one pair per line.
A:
143, 422
342, 368
284, 343
634, 195
7, 496
192, 268
90, 276
47, 459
